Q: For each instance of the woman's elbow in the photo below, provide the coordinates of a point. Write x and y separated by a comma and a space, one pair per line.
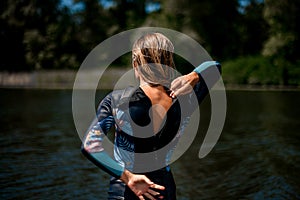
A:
94, 147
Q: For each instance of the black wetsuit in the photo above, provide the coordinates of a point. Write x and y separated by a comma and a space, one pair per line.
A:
136, 147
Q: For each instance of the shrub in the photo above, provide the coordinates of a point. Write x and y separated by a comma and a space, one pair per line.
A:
256, 70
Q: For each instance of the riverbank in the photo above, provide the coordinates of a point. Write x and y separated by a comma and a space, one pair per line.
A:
64, 79
56, 79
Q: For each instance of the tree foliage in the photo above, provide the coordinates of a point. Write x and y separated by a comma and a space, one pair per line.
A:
283, 42
50, 35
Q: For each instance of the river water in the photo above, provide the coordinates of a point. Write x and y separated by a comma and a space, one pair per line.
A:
256, 157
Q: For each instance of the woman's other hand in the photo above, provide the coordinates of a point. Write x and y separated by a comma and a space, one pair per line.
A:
141, 185
184, 84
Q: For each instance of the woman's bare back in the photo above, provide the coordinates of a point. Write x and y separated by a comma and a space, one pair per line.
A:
161, 102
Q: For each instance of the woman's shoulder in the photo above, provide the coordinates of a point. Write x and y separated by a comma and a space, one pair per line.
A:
121, 96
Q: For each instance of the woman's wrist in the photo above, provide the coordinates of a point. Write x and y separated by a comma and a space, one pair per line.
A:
194, 77
126, 175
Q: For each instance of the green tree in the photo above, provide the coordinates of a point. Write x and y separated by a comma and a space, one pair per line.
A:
282, 45
31, 34
13, 19
253, 29
128, 13
92, 21
211, 22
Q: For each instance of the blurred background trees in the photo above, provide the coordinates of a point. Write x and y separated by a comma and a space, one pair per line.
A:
257, 41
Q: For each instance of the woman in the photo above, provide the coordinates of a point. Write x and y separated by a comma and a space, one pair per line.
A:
147, 119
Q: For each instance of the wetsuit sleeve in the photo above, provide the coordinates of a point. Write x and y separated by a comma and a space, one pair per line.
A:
209, 73
92, 146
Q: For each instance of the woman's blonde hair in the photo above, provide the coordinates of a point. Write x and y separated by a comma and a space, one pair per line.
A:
152, 54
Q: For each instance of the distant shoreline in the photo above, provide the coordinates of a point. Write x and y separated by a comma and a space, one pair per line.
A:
57, 79
236, 87
64, 79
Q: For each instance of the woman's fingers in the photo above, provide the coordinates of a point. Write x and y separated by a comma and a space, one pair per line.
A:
184, 89
177, 83
181, 86
147, 180
141, 197
143, 187
156, 186
149, 196
153, 193
177, 88
184, 84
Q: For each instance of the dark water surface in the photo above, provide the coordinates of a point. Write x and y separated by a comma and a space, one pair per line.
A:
257, 156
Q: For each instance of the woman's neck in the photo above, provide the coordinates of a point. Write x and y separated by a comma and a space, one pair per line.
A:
143, 84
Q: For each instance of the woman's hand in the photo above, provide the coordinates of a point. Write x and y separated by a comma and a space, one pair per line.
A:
184, 84
141, 185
